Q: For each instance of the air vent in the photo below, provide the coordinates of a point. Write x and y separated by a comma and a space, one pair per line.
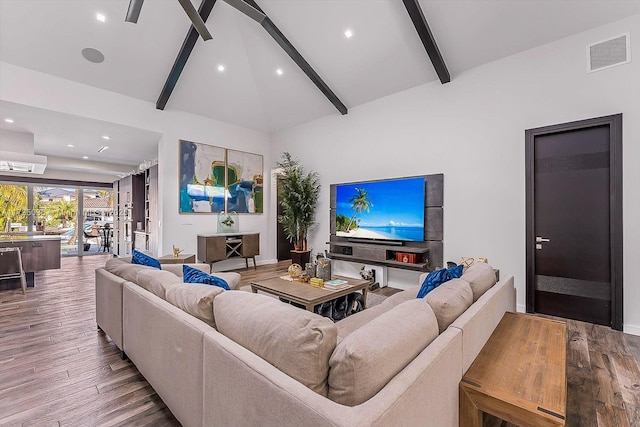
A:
608, 53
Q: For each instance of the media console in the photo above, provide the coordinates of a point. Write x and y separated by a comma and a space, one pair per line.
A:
379, 254
428, 253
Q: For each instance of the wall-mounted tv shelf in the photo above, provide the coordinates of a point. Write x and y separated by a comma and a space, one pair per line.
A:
379, 254
429, 252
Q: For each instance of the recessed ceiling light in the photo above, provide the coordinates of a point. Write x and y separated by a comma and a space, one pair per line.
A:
279, 71
8, 120
348, 34
70, 145
101, 149
106, 137
85, 157
221, 68
100, 17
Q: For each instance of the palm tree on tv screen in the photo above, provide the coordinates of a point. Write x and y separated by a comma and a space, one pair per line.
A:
359, 203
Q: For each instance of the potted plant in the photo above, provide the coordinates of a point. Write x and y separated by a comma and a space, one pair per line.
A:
299, 197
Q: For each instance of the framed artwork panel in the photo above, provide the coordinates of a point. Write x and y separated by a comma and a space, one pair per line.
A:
244, 182
201, 178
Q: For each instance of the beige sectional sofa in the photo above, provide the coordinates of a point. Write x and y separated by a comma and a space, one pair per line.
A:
236, 358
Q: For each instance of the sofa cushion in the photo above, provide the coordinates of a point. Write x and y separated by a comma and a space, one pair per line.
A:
298, 342
350, 323
232, 279
177, 268
144, 259
481, 277
124, 269
362, 364
195, 299
157, 281
449, 301
193, 275
400, 297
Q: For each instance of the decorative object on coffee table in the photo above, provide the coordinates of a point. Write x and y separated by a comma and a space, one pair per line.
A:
294, 270
310, 269
300, 193
323, 270
483, 260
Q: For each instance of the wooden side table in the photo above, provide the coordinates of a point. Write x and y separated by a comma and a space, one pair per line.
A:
180, 259
520, 375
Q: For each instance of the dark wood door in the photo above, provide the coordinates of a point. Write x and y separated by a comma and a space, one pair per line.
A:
574, 221
284, 246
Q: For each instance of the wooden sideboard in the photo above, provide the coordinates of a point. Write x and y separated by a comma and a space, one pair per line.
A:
221, 246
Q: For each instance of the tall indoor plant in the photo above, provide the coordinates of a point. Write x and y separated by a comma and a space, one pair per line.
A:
299, 198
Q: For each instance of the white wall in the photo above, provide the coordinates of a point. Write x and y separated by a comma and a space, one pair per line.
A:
24, 86
472, 130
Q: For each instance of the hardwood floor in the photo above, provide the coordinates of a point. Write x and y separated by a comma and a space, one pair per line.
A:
56, 368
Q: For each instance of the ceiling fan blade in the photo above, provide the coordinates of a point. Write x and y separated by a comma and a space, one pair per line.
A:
196, 19
247, 9
134, 11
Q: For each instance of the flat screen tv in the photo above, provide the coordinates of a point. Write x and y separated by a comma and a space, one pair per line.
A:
391, 209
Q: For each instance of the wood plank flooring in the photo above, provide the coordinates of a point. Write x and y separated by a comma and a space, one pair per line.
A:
56, 368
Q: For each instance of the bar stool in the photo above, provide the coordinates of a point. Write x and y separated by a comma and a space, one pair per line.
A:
11, 266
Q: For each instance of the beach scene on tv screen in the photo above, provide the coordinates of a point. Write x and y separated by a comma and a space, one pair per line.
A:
388, 210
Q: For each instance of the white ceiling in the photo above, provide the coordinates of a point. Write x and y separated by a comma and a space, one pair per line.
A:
53, 131
384, 56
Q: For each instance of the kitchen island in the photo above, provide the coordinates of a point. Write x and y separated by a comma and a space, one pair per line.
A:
39, 252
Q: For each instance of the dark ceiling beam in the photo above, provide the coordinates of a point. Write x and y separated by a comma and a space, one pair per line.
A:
285, 44
181, 60
196, 19
429, 42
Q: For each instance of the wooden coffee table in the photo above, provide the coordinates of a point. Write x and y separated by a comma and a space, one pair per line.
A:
520, 374
307, 295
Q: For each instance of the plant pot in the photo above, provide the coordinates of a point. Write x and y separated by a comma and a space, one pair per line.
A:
300, 257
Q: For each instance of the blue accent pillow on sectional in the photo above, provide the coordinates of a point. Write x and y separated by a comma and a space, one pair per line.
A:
193, 275
144, 259
438, 277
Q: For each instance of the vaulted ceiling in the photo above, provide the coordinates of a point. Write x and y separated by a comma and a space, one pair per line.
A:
383, 56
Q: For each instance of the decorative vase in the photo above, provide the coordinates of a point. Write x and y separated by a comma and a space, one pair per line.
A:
323, 269
310, 269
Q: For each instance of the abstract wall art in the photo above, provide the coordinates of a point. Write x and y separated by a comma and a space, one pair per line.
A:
215, 179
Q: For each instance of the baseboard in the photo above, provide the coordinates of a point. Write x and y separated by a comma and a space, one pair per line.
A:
631, 329
627, 329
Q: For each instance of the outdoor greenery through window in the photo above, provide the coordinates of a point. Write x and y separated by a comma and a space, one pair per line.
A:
82, 217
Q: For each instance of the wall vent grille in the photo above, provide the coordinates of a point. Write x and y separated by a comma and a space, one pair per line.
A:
609, 53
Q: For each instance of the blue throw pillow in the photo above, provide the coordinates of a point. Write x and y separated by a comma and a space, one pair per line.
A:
193, 275
438, 277
455, 272
144, 259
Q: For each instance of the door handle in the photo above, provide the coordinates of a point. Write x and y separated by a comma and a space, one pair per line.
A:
542, 239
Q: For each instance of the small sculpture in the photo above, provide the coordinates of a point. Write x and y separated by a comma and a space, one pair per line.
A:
176, 251
466, 261
295, 270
